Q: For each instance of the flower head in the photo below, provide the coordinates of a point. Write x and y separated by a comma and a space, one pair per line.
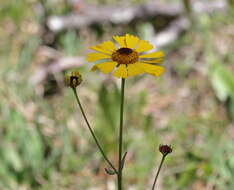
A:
128, 59
165, 149
73, 80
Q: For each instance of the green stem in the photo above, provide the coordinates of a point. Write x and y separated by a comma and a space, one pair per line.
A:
158, 171
187, 6
121, 135
92, 133
231, 2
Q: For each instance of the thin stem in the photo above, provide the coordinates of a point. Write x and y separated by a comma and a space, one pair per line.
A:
121, 135
231, 2
92, 133
187, 6
189, 9
158, 171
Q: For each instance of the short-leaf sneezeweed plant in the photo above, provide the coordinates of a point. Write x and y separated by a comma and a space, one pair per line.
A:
128, 58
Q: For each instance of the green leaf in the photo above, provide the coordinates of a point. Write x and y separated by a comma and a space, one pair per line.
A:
222, 81
12, 157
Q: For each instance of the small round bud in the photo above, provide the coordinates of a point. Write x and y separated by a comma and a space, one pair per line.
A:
165, 149
73, 80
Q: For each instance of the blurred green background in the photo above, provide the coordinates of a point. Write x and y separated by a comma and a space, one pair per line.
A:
44, 142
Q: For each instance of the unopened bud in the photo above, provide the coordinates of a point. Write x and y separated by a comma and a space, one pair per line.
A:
73, 80
165, 149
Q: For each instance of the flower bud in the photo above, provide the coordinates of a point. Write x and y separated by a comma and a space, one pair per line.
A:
165, 149
73, 80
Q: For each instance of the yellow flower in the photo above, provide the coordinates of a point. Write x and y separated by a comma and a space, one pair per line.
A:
73, 80
128, 59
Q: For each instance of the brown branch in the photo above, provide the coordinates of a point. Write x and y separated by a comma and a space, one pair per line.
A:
60, 65
171, 33
117, 15
90, 14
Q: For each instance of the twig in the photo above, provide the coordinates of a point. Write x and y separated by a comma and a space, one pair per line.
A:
123, 15
116, 15
56, 66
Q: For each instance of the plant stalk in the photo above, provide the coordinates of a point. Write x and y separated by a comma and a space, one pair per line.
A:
92, 133
121, 135
158, 171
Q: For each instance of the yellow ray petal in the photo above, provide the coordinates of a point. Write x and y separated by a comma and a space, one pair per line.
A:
157, 54
121, 71
100, 49
120, 40
152, 61
107, 46
105, 67
131, 41
134, 69
152, 69
143, 46
91, 57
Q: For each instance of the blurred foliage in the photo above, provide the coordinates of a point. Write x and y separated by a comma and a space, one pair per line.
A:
44, 143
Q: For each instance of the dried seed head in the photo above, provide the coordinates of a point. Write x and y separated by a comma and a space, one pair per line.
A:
165, 149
